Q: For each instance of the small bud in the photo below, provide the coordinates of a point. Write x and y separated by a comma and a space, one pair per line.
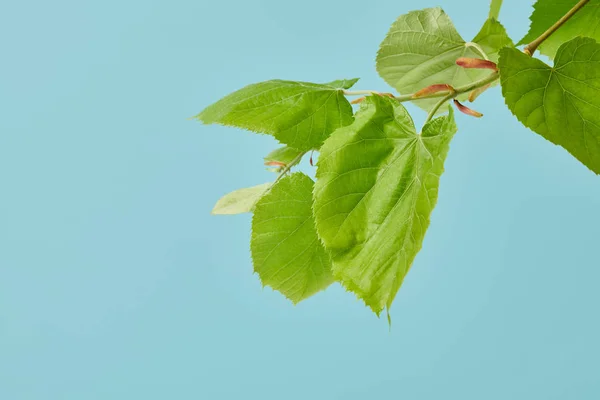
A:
275, 164
311, 159
467, 110
442, 87
358, 101
467, 62
475, 93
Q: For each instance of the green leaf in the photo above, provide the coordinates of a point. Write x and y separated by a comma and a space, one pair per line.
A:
287, 253
240, 201
561, 103
285, 155
421, 49
299, 114
377, 186
586, 22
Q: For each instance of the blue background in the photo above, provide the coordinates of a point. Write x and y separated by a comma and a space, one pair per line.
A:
116, 283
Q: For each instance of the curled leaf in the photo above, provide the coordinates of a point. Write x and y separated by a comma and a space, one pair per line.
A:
467, 110
477, 63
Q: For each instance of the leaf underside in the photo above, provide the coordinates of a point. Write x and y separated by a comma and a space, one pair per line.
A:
586, 22
377, 186
286, 251
422, 47
560, 103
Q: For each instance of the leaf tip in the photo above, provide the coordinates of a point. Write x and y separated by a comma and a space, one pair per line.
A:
389, 318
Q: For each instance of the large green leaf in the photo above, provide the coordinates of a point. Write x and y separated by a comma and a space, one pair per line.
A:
561, 103
299, 114
287, 253
421, 49
586, 22
376, 188
240, 201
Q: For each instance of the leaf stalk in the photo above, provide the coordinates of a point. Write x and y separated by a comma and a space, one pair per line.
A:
289, 166
495, 9
457, 91
437, 106
532, 47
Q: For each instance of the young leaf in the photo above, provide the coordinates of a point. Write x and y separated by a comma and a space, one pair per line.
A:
284, 155
376, 188
422, 47
586, 22
466, 110
240, 201
299, 114
287, 253
561, 103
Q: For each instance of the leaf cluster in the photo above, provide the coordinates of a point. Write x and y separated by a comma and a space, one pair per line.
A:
363, 221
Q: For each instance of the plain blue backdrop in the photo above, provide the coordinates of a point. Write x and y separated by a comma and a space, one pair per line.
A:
117, 283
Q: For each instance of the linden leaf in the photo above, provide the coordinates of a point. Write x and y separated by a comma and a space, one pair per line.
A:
561, 103
586, 22
299, 114
240, 201
422, 47
377, 186
287, 253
